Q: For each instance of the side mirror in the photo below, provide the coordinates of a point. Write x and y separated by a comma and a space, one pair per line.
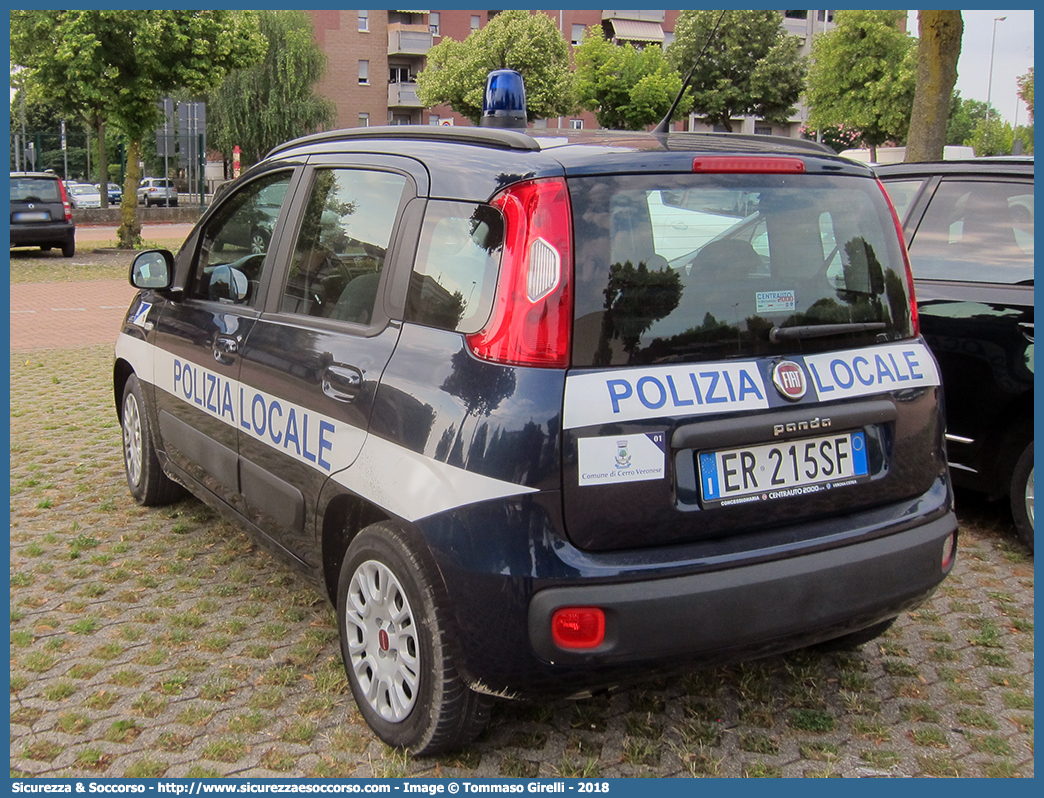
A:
152, 269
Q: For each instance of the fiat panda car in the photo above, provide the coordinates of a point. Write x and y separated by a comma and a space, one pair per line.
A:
477, 390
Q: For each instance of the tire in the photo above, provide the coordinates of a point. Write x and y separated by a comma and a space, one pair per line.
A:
855, 639
393, 642
68, 248
1020, 493
148, 484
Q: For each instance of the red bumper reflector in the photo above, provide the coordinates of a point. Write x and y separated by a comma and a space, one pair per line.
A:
578, 627
748, 164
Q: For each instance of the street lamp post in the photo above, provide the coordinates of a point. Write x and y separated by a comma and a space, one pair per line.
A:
989, 85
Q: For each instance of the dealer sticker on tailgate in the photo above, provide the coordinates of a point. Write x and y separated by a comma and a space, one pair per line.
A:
784, 469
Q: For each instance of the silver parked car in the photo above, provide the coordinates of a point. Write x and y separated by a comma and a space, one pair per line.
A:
157, 191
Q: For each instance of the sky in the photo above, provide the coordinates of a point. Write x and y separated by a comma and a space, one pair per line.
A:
1012, 57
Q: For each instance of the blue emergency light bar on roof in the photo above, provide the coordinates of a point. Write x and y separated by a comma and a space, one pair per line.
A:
504, 103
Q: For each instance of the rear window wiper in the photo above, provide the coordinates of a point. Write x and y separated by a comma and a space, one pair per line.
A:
777, 334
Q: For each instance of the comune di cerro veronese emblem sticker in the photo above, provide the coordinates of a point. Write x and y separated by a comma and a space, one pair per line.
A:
623, 457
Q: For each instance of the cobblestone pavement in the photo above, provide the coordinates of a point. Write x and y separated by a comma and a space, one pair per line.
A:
154, 643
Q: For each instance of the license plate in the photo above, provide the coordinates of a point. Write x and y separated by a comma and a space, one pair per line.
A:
32, 216
782, 470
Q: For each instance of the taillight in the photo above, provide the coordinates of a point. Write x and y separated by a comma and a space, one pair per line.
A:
65, 201
915, 320
531, 323
578, 627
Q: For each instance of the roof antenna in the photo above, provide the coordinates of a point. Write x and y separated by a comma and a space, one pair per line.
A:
665, 123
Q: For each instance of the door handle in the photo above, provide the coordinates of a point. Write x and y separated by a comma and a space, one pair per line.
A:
226, 347
343, 383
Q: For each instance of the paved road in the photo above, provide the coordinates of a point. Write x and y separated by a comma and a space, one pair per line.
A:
58, 315
55, 315
149, 232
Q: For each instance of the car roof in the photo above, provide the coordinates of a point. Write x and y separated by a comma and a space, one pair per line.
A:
34, 174
1011, 164
576, 151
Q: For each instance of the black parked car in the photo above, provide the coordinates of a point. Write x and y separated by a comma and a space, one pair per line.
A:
41, 213
969, 228
480, 394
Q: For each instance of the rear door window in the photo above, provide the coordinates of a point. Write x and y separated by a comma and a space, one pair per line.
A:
679, 267
336, 267
976, 231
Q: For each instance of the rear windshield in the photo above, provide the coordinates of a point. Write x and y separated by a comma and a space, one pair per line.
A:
35, 189
689, 267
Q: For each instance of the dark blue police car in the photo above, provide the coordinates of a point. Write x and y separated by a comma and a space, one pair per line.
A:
543, 414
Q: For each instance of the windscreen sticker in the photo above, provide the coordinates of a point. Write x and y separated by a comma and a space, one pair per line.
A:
634, 394
775, 301
861, 372
622, 458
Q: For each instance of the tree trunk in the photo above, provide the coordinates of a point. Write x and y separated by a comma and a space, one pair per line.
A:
103, 161
937, 53
129, 234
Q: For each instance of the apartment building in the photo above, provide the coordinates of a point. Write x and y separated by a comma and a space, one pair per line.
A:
375, 56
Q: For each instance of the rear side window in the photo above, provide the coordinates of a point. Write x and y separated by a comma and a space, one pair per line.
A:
976, 231
454, 278
688, 267
34, 189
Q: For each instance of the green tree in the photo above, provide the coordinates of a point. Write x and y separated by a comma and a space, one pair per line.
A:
863, 74
1026, 91
992, 136
750, 68
264, 105
964, 116
59, 74
120, 63
627, 88
455, 74
938, 49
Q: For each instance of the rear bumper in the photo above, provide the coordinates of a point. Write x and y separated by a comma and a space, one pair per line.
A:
798, 599
23, 235
671, 608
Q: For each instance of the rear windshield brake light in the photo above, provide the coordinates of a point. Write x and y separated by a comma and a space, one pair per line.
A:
742, 164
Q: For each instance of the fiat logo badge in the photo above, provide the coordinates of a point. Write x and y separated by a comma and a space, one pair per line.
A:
789, 380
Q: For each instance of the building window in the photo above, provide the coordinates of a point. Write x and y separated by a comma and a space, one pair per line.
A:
364, 73
796, 14
364, 120
364, 21
578, 34
433, 119
476, 21
433, 23
576, 124
762, 130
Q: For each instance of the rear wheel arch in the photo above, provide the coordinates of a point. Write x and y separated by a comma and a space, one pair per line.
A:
343, 517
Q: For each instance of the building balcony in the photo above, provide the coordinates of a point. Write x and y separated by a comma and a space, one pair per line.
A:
408, 39
403, 95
